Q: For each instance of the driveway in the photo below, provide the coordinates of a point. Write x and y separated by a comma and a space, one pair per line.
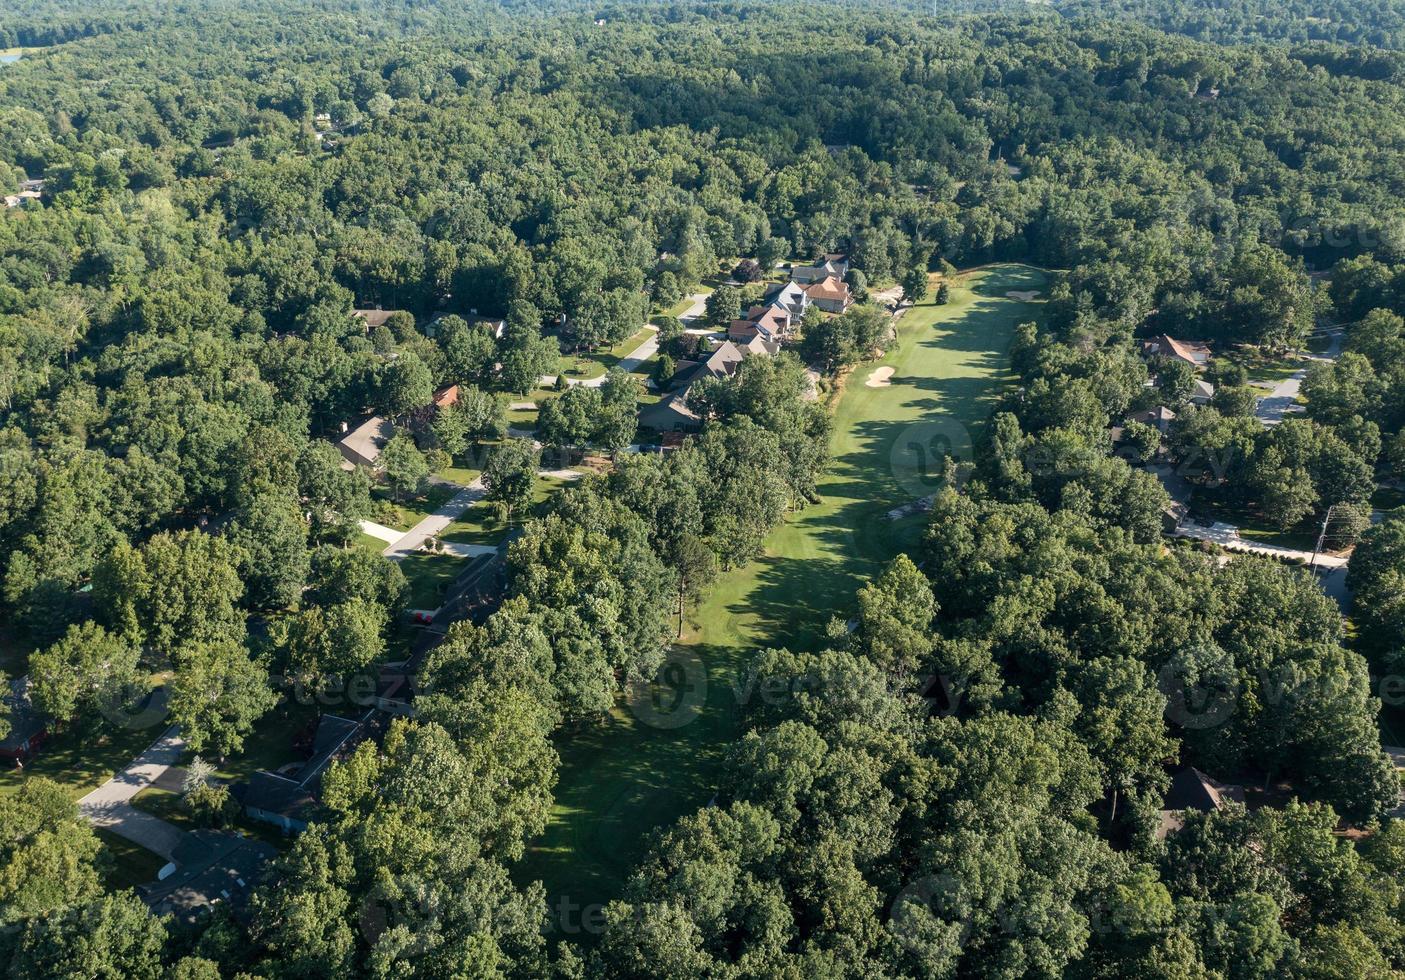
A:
1282, 399
110, 805
435, 523
1227, 537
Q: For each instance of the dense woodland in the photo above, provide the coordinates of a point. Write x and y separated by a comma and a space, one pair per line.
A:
225, 183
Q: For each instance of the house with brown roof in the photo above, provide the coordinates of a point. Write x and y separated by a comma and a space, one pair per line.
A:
1159, 418
1192, 352
830, 294
362, 445
833, 265
772, 323
1191, 789
373, 318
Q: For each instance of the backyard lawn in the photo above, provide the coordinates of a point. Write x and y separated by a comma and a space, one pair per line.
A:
621, 781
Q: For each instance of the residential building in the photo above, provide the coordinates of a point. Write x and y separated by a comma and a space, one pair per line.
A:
792, 298
287, 800
831, 266
1159, 418
772, 323
1192, 352
362, 445
28, 728
1201, 392
673, 414
1191, 789
373, 318
209, 868
831, 294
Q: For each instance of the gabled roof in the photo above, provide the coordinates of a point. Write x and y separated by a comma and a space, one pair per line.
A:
369, 438
829, 288
1191, 351
373, 318
1191, 789
724, 360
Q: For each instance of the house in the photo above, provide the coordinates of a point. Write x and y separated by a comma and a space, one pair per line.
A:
833, 265
792, 298
1192, 352
831, 295
1159, 418
28, 728
362, 445
496, 327
1201, 392
446, 396
15, 200
287, 801
211, 867
772, 323
1191, 789
374, 318
673, 414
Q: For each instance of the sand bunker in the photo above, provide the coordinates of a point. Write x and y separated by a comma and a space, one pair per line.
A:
879, 378
1023, 295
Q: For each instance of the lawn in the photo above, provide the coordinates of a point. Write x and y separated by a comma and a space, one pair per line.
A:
429, 576
81, 760
405, 514
593, 365
622, 780
1267, 368
129, 864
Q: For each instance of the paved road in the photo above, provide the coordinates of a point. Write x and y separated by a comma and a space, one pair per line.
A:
110, 805
697, 305
630, 362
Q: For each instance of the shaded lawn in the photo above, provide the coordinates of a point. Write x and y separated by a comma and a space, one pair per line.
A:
625, 778
428, 576
14, 653
593, 364
1387, 498
1252, 525
402, 515
81, 759
370, 543
167, 805
129, 865
1268, 368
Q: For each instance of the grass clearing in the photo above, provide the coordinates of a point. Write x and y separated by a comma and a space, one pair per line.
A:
129, 865
429, 575
625, 778
81, 759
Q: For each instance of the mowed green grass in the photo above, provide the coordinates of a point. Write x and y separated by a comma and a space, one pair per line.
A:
626, 778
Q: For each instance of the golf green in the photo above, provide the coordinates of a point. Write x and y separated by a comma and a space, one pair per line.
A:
656, 757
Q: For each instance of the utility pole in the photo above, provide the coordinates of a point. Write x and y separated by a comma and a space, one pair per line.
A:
1321, 538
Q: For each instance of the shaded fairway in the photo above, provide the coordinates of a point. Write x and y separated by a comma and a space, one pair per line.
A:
619, 782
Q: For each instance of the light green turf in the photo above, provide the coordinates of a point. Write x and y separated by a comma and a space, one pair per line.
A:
622, 780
